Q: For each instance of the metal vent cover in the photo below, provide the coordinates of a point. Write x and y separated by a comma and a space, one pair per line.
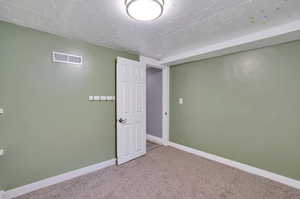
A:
59, 57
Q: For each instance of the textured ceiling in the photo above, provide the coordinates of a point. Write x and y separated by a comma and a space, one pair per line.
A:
185, 24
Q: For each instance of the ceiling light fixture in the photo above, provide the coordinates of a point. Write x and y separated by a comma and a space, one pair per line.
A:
144, 10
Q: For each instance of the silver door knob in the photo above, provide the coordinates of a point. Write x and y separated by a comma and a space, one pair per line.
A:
123, 121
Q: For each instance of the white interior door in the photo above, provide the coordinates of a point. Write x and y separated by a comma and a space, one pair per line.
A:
131, 110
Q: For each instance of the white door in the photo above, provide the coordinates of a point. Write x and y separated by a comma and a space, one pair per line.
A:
131, 111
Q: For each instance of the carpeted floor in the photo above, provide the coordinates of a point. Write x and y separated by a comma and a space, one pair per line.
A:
151, 146
167, 173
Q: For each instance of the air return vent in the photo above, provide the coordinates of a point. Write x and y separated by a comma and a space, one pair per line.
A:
66, 58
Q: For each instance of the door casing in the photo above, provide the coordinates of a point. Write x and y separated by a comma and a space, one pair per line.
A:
149, 62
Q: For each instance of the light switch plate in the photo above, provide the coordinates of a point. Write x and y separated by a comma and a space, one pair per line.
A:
91, 98
1, 152
1, 111
180, 100
113, 98
97, 98
109, 98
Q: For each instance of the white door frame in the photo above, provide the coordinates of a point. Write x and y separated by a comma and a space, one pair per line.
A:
166, 90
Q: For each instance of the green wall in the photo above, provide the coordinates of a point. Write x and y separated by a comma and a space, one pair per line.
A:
49, 126
243, 106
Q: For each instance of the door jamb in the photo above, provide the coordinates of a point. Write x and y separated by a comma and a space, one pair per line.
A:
166, 90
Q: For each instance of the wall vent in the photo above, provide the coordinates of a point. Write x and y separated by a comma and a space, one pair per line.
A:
59, 57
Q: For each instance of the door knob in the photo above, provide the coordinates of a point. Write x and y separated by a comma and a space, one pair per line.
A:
123, 121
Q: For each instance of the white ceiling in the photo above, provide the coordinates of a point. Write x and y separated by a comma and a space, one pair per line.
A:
184, 26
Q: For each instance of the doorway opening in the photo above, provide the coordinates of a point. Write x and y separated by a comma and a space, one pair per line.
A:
154, 107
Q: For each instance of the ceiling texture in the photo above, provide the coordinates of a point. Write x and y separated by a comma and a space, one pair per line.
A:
184, 25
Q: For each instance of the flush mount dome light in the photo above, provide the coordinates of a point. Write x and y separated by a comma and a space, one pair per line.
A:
144, 10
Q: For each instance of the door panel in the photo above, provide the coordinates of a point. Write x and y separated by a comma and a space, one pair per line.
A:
131, 110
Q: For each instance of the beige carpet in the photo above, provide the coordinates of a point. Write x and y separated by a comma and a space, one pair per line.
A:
167, 173
151, 146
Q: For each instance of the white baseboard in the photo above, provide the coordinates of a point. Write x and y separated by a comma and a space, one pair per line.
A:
56, 179
155, 139
256, 171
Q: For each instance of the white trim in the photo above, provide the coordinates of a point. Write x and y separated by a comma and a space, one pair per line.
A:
165, 108
56, 179
154, 139
166, 90
151, 62
244, 167
1, 194
271, 36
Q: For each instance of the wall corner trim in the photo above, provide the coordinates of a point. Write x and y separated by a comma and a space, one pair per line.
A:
155, 139
247, 168
54, 180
